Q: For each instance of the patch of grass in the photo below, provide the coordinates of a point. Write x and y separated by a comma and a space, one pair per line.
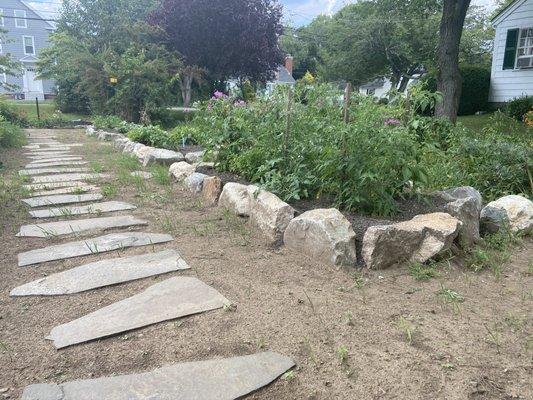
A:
288, 376
127, 162
407, 328
160, 175
450, 297
342, 354
109, 190
424, 272
97, 167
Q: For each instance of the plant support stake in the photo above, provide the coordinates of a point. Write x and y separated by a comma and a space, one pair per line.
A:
37, 105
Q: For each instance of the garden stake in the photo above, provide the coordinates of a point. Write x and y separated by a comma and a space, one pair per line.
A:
287, 127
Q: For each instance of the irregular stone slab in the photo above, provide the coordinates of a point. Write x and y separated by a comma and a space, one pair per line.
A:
129, 146
181, 170
323, 234
41, 171
270, 214
67, 177
237, 197
62, 199
68, 227
96, 245
90, 130
67, 190
170, 299
108, 136
194, 157
57, 159
416, 240
142, 174
96, 208
52, 155
54, 164
161, 156
219, 379
514, 213
195, 181
103, 273
211, 189
140, 150
53, 185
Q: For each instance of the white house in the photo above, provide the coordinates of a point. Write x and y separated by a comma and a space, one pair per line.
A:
512, 59
381, 86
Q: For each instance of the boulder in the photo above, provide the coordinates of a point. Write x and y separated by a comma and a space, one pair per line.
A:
509, 212
90, 130
324, 235
161, 156
108, 136
270, 214
195, 181
237, 198
141, 151
120, 143
194, 157
211, 189
464, 203
416, 240
181, 170
129, 146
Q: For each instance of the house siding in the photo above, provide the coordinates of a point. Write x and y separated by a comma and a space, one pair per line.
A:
511, 83
38, 29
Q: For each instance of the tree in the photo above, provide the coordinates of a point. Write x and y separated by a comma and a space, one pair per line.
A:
477, 39
448, 76
227, 38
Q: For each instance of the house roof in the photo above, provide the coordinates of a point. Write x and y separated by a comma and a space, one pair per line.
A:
284, 76
36, 12
375, 84
506, 11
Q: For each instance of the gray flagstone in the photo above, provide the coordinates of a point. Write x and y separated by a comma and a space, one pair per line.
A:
61, 154
62, 199
41, 171
56, 159
66, 190
103, 273
53, 185
67, 177
49, 229
173, 298
113, 241
54, 164
96, 208
218, 379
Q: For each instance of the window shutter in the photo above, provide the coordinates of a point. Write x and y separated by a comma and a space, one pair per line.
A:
510, 49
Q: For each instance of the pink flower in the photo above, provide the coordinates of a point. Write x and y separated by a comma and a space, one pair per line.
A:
240, 103
218, 95
392, 122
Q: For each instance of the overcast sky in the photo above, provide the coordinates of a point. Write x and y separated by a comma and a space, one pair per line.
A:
299, 12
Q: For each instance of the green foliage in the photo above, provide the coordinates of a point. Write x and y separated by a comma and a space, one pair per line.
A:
475, 89
10, 135
184, 134
169, 118
107, 121
12, 115
424, 272
150, 135
519, 107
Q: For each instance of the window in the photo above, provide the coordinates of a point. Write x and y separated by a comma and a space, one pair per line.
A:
524, 54
20, 19
29, 45
1, 17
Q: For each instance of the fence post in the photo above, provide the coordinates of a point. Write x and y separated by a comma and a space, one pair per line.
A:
37, 105
287, 126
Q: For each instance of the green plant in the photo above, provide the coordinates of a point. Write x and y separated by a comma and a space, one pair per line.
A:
407, 328
149, 135
10, 135
450, 296
423, 272
109, 190
519, 107
160, 175
342, 354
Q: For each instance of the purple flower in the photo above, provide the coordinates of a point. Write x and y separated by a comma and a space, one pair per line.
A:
240, 103
392, 122
218, 95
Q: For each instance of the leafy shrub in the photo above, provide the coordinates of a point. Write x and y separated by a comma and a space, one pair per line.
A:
10, 135
168, 118
150, 135
12, 115
528, 118
475, 89
184, 134
107, 121
519, 107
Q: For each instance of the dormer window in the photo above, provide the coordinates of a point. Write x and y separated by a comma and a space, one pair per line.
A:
20, 19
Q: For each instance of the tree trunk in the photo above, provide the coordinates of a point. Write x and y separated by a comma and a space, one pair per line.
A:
186, 84
449, 78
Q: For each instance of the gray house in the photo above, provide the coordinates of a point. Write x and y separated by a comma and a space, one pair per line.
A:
27, 34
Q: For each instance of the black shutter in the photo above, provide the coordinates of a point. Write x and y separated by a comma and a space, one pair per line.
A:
510, 49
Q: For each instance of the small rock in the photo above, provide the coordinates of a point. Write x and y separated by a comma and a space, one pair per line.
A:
509, 212
237, 197
211, 189
161, 156
416, 240
181, 170
90, 130
194, 157
194, 182
270, 214
323, 234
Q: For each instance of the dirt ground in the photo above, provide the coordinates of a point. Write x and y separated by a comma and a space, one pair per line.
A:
347, 331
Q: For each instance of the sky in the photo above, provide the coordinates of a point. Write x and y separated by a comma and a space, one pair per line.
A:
298, 12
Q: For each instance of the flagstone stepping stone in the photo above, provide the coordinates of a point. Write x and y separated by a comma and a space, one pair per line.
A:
41, 171
66, 177
61, 154
62, 199
67, 190
100, 244
53, 185
173, 298
49, 229
103, 273
96, 208
43, 152
56, 159
142, 174
54, 164
218, 379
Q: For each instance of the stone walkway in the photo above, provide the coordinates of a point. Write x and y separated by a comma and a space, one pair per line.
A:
57, 179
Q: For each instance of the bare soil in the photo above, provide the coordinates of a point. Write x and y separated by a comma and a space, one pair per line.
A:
343, 328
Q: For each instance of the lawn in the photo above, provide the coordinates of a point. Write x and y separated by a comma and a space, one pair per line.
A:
46, 108
474, 122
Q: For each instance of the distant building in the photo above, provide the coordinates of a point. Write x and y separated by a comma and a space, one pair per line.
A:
27, 34
512, 58
283, 76
381, 86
